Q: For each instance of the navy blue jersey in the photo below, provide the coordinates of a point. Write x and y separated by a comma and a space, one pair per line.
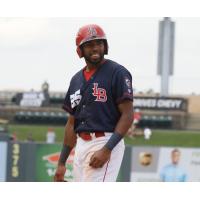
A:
94, 103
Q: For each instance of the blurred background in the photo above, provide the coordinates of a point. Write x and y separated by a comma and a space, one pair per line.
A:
37, 60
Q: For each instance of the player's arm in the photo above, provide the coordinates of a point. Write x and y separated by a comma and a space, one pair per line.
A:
68, 144
100, 157
126, 119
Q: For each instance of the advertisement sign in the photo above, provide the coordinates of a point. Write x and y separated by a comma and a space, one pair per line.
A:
47, 156
159, 103
3, 160
32, 99
165, 164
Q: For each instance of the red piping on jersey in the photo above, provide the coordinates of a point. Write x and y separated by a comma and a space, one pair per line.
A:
105, 171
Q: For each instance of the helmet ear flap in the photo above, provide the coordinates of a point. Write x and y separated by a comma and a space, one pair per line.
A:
79, 52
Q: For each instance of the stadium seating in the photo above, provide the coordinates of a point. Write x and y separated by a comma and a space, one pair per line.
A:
156, 121
36, 117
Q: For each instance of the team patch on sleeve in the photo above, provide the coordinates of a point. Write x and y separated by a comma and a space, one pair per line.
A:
75, 98
128, 84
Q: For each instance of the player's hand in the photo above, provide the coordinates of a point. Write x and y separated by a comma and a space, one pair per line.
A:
100, 157
60, 172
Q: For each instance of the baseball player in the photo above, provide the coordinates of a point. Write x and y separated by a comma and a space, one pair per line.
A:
100, 103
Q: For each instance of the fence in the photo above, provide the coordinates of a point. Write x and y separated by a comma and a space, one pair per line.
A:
35, 162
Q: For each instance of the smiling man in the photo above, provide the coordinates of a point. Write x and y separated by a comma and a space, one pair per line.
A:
173, 172
100, 103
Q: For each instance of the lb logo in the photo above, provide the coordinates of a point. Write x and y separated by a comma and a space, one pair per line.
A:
99, 93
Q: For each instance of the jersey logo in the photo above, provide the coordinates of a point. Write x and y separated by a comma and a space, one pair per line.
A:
75, 98
99, 93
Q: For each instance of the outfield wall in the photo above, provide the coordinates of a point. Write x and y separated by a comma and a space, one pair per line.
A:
36, 162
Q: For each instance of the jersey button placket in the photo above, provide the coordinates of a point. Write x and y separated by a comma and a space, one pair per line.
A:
83, 107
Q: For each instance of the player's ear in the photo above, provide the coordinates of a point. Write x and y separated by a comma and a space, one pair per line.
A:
82, 50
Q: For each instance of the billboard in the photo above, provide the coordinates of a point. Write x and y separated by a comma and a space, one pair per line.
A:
32, 99
160, 103
47, 156
165, 164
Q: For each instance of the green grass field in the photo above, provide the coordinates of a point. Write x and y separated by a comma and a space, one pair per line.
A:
159, 137
38, 132
168, 138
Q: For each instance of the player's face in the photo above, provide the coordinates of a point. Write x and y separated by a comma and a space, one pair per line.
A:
93, 51
175, 157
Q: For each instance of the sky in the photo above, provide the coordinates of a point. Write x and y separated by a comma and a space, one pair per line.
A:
34, 50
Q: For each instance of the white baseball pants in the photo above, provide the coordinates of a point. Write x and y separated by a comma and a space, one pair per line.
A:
83, 152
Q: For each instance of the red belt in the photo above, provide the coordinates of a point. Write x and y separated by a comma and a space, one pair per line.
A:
88, 136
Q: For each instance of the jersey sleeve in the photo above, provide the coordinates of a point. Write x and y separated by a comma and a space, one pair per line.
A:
122, 86
67, 103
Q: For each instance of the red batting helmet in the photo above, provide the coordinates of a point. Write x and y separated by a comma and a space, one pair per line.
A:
88, 33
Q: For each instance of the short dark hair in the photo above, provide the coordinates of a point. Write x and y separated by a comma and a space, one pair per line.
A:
176, 150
